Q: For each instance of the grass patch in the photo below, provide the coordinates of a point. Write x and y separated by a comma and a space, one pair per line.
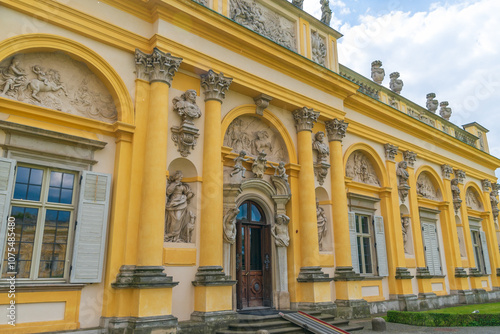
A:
492, 308
458, 317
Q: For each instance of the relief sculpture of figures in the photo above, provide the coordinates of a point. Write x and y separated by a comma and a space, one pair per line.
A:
179, 220
378, 73
320, 214
12, 77
230, 225
238, 164
259, 165
280, 171
321, 148
185, 106
42, 84
326, 12
318, 48
405, 225
261, 143
396, 84
279, 230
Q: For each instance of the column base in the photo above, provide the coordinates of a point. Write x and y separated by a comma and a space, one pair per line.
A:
282, 300
346, 274
460, 272
408, 303
352, 309
313, 274
142, 277
464, 296
140, 325
212, 276
403, 273
324, 307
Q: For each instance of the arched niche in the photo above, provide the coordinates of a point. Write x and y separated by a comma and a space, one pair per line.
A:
406, 229
184, 165
473, 198
428, 184
364, 165
324, 220
79, 94
243, 129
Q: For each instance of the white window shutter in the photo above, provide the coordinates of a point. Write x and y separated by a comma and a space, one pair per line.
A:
432, 254
383, 268
7, 168
92, 223
354, 242
428, 246
486, 255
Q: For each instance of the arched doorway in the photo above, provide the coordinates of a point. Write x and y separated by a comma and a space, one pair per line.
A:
253, 257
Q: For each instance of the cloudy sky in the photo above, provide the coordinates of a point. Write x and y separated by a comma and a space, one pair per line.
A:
451, 48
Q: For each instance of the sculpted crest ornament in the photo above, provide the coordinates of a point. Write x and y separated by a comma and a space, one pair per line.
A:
185, 135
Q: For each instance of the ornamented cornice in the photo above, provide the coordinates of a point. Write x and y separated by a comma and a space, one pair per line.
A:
215, 85
446, 170
158, 66
390, 151
410, 158
305, 119
336, 129
486, 185
460, 175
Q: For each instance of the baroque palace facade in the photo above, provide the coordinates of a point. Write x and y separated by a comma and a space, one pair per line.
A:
167, 163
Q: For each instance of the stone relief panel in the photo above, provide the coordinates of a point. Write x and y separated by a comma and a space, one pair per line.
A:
264, 21
472, 200
250, 134
318, 47
360, 169
426, 188
56, 81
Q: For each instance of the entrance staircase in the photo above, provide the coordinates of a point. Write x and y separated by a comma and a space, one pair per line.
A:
275, 324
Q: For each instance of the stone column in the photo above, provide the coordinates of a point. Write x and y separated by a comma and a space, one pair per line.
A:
315, 285
213, 289
147, 278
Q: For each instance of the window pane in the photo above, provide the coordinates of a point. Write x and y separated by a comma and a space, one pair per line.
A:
66, 196
61, 187
367, 254
255, 249
68, 181
242, 247
243, 212
36, 176
21, 191
364, 224
358, 219
34, 192
55, 239
56, 179
25, 230
23, 175
360, 256
28, 183
256, 216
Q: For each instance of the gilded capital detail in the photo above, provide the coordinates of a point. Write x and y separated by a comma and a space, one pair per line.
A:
336, 129
447, 170
390, 151
215, 85
157, 66
410, 158
305, 119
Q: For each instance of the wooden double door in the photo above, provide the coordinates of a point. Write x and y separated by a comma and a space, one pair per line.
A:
253, 257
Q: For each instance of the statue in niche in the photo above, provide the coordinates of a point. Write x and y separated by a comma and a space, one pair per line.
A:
321, 218
238, 164
318, 48
259, 165
455, 190
405, 225
321, 148
378, 73
261, 143
185, 106
326, 12
230, 225
179, 220
279, 230
396, 84
280, 171
402, 173
12, 77
445, 111
431, 103
360, 169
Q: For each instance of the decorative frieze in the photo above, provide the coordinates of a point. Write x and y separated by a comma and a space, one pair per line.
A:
305, 118
431, 103
396, 84
460, 175
158, 66
426, 188
410, 158
185, 135
336, 129
447, 171
378, 73
262, 102
390, 151
215, 85
472, 199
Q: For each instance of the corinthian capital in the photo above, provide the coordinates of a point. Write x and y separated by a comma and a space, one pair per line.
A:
390, 151
215, 85
305, 119
460, 175
336, 129
447, 170
158, 66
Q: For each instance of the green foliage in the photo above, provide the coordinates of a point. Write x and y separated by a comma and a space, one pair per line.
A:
443, 319
490, 308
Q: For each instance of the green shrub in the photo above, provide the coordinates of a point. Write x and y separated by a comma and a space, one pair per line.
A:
443, 320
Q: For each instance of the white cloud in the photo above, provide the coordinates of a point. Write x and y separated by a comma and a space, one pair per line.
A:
451, 50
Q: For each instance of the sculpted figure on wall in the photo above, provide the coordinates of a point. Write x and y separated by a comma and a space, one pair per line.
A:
396, 84
455, 190
298, 3
264, 21
238, 164
431, 104
360, 169
318, 48
472, 200
326, 12
279, 230
494, 201
403, 176
185, 135
230, 225
322, 224
259, 166
425, 187
12, 77
179, 220
321, 148
405, 225
378, 73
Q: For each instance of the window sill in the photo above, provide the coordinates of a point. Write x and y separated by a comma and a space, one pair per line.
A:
372, 278
35, 287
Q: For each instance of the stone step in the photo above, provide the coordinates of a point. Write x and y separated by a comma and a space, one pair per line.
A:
255, 325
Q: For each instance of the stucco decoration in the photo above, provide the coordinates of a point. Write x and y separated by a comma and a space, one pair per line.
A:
259, 165
446, 170
494, 201
431, 104
396, 84
455, 191
360, 169
336, 129
393, 102
185, 135
444, 110
279, 230
322, 224
321, 171
261, 103
305, 118
56, 81
472, 199
259, 18
280, 171
179, 220
326, 12
321, 148
410, 158
250, 134
318, 48
215, 85
378, 73
390, 151
405, 226
238, 164
426, 188
460, 175
486, 184
403, 176
157, 66
298, 3
230, 225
